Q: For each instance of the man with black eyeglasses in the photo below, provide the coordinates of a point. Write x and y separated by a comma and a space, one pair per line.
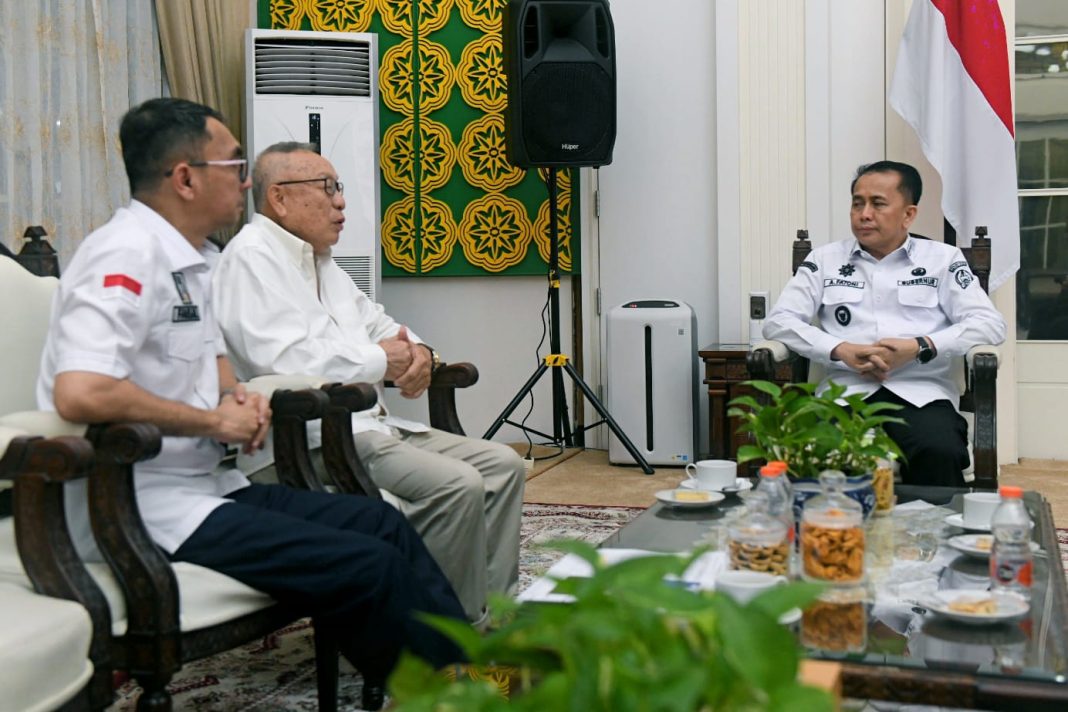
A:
133, 338
285, 307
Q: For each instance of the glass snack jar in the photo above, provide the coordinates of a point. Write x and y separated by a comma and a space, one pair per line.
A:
883, 484
832, 534
837, 621
758, 541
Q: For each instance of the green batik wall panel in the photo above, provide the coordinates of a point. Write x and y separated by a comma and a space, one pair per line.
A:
451, 202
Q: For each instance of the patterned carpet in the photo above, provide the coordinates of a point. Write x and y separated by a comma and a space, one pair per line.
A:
278, 672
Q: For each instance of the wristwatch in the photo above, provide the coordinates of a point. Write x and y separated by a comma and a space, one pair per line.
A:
435, 359
926, 353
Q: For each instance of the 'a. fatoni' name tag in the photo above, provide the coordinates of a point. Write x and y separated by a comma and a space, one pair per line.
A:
185, 312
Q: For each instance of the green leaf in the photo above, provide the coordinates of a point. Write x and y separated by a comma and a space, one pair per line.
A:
756, 646
780, 599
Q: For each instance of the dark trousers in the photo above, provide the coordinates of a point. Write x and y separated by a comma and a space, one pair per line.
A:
934, 440
353, 563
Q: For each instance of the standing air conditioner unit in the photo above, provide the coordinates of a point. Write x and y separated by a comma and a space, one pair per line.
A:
652, 380
322, 88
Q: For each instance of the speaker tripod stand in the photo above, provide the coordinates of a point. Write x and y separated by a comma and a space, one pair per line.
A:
560, 364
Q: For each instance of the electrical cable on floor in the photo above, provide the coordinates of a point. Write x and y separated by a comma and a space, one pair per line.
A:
537, 359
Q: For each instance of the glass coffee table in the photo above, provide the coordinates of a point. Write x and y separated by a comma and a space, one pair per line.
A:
904, 653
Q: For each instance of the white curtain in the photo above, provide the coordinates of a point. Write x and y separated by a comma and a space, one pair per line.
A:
69, 70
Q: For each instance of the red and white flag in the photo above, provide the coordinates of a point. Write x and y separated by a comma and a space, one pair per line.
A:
951, 84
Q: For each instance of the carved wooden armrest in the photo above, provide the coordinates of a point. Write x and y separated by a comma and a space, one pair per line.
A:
442, 394
982, 362
40, 467
141, 569
339, 448
761, 359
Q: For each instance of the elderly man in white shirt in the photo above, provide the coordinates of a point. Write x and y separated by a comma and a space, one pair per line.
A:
285, 307
890, 310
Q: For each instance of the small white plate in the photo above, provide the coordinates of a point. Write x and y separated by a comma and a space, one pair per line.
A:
957, 520
978, 545
1008, 606
668, 497
740, 485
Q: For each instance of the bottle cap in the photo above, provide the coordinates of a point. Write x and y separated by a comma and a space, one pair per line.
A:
1010, 492
779, 465
770, 471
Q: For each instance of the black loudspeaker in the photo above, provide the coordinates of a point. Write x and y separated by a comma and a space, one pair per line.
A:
559, 57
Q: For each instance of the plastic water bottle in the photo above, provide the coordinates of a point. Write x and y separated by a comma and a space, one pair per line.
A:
776, 487
1011, 561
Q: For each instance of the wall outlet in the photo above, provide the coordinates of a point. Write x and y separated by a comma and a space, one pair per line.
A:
758, 305
758, 311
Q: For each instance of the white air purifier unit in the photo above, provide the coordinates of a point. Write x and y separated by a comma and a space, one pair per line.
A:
322, 88
652, 380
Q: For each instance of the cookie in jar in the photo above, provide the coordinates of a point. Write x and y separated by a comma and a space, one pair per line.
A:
832, 534
758, 541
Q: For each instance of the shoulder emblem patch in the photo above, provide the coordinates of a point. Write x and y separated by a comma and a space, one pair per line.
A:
843, 316
957, 265
963, 278
810, 266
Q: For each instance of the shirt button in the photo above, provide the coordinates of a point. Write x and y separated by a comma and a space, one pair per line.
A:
878, 299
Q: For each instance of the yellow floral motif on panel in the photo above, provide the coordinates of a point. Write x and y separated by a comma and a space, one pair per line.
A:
563, 229
397, 15
436, 237
563, 180
438, 155
340, 15
482, 155
483, 14
438, 234
481, 74
398, 234
287, 14
436, 77
495, 232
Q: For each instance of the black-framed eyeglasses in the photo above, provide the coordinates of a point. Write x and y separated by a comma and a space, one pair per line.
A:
241, 163
330, 185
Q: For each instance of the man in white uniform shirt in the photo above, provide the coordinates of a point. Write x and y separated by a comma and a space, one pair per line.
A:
132, 338
890, 311
286, 307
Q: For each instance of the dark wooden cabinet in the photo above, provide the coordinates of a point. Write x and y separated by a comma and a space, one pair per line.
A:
725, 371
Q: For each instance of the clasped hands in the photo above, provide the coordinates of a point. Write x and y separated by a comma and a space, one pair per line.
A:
244, 418
408, 364
877, 360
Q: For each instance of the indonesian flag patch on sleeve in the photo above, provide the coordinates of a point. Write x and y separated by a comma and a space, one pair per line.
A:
122, 285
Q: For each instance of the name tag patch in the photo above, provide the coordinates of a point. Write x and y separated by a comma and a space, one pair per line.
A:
833, 282
919, 281
185, 312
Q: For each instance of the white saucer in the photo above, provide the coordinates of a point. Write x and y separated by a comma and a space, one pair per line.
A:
978, 545
740, 485
668, 497
957, 520
1009, 606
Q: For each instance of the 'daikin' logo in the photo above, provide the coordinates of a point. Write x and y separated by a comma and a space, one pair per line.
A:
847, 270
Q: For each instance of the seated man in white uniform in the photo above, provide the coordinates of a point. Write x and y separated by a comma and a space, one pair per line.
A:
891, 311
285, 307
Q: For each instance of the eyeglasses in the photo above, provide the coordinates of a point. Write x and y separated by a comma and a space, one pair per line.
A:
241, 163
330, 185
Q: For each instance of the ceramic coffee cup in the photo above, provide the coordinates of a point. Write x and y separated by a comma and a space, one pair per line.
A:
713, 474
743, 586
979, 508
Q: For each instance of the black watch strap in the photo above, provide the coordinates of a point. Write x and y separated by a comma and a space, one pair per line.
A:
926, 353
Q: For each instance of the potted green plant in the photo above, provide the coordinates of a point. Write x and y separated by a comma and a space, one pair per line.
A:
815, 431
630, 640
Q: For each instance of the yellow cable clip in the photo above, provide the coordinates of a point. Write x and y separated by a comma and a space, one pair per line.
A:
556, 360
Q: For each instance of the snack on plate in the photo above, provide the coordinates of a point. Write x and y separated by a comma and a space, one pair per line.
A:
980, 606
983, 543
691, 496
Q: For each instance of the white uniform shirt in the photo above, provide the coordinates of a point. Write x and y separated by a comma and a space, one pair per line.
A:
135, 303
924, 288
285, 310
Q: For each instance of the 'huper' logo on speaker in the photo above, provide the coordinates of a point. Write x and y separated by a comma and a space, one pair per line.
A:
569, 146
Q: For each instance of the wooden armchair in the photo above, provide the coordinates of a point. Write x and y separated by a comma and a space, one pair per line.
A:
976, 372
54, 620
149, 615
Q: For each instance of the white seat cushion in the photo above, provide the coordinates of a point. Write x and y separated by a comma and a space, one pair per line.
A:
206, 597
44, 650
